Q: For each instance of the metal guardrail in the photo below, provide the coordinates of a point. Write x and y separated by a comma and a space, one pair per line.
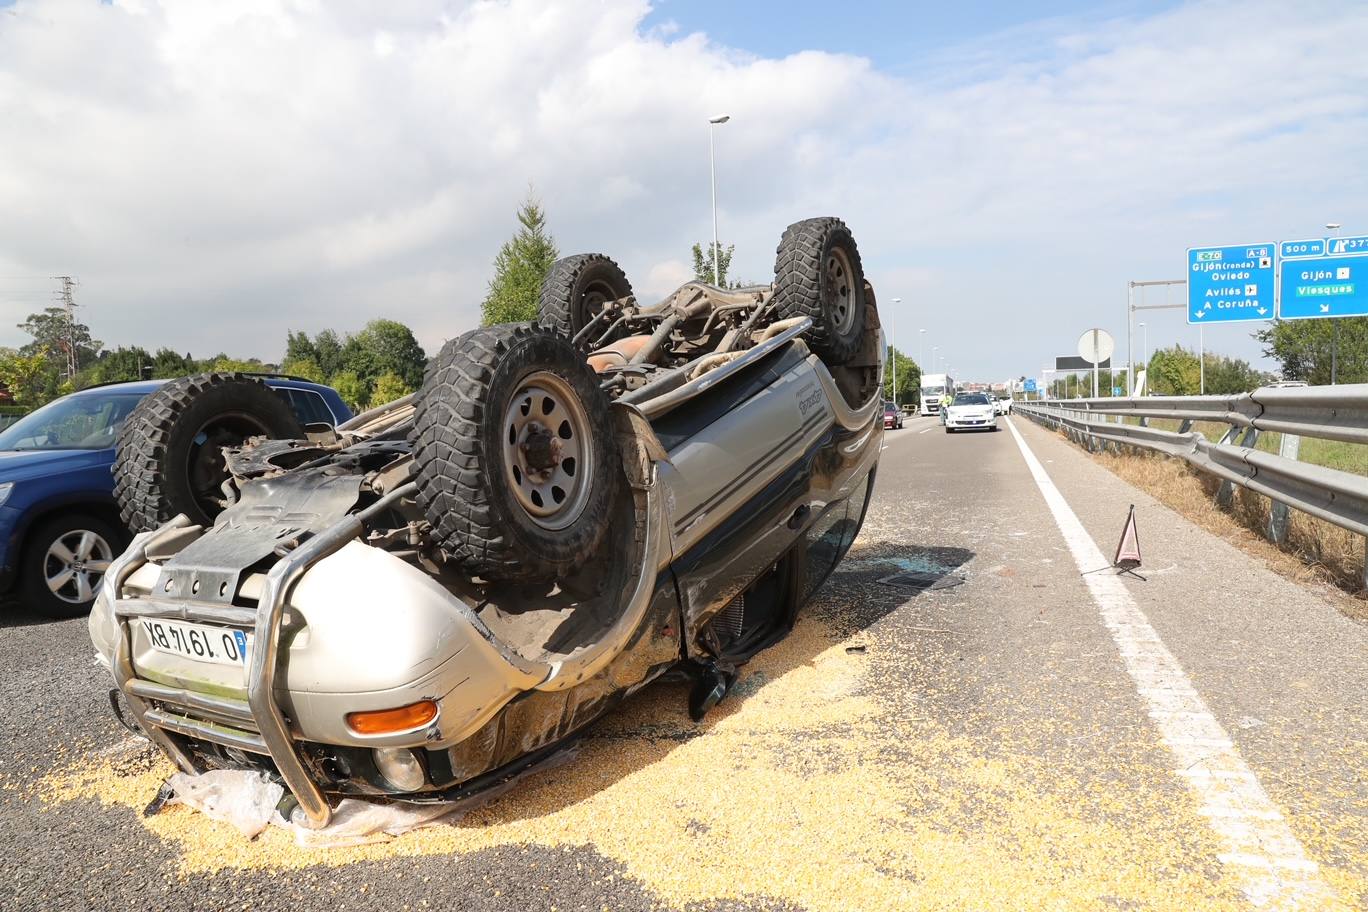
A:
1330, 412
1327, 412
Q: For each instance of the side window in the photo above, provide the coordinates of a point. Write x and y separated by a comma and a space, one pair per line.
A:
308, 406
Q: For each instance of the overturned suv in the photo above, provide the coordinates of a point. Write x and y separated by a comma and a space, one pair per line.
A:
444, 592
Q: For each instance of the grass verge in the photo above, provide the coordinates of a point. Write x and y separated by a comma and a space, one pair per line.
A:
1315, 551
1334, 454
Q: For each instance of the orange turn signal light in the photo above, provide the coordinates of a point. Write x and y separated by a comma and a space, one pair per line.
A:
390, 721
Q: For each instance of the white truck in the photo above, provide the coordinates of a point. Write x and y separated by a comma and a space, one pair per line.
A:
933, 387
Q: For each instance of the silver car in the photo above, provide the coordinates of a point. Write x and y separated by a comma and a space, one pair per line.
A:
446, 591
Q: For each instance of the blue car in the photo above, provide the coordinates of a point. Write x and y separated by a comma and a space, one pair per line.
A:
59, 524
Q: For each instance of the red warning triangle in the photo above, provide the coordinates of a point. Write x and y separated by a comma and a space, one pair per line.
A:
1128, 549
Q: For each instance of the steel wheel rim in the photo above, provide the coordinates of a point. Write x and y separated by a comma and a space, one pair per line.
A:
75, 564
206, 469
839, 289
592, 300
548, 451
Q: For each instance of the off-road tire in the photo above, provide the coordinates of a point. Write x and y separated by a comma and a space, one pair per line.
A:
570, 290
156, 444
803, 286
459, 450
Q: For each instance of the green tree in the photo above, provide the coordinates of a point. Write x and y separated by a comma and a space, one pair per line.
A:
168, 364
1304, 349
56, 334
703, 264
25, 375
304, 367
1228, 376
298, 347
222, 362
909, 378
1174, 371
385, 347
119, 364
519, 268
388, 387
351, 388
1074, 386
328, 352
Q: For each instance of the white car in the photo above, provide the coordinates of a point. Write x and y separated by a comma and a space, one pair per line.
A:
1002, 406
971, 411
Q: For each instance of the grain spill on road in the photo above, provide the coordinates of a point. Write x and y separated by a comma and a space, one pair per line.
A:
809, 786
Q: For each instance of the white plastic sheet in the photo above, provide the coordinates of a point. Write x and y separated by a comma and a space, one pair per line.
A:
248, 799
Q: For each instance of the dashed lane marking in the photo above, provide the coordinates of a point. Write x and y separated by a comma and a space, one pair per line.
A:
1261, 851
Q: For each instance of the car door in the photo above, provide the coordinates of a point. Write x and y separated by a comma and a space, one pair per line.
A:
739, 479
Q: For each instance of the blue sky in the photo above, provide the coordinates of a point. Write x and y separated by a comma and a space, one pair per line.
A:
896, 37
216, 174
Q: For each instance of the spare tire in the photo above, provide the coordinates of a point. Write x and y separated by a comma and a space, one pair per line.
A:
169, 456
818, 274
517, 468
575, 290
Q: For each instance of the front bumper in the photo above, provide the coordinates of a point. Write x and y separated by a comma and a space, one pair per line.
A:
297, 727
974, 422
10, 521
353, 634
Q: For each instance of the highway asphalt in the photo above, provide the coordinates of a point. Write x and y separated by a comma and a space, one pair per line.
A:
990, 742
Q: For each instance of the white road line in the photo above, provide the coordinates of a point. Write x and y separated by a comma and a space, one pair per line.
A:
1260, 850
924, 430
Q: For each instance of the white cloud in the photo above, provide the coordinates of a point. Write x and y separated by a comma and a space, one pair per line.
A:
216, 173
663, 277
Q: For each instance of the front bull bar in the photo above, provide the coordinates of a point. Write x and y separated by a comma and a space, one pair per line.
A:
275, 739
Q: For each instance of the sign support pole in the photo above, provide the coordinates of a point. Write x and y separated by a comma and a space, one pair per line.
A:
1131, 308
1201, 358
1334, 354
1096, 367
1130, 336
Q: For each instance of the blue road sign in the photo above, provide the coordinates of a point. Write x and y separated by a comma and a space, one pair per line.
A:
1030, 386
1312, 247
1231, 284
1329, 280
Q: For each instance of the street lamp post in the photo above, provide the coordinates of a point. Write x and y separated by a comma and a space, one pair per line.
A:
934, 349
712, 172
893, 348
921, 349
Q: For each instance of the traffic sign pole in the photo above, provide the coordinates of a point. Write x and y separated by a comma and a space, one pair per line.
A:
1132, 307
1095, 367
1201, 360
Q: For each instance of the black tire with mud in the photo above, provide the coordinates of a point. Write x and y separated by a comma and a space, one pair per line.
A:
162, 469
818, 274
576, 288
459, 439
